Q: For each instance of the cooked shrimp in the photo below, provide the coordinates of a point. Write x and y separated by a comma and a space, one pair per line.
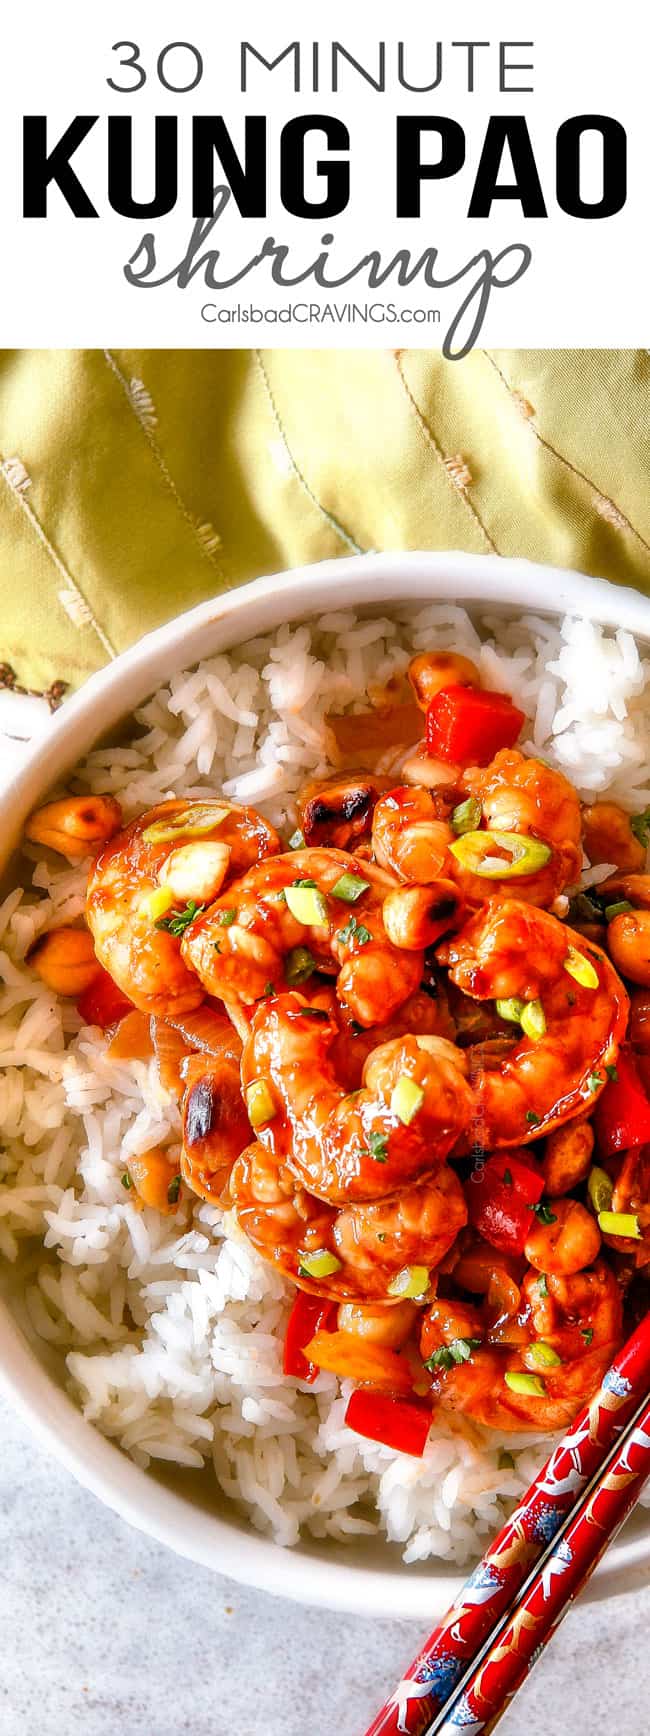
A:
567, 1156
579, 1318
246, 942
415, 1228
566, 1242
411, 833
366, 1246
608, 837
422, 1015
522, 795
130, 909
338, 811
361, 1147
525, 1086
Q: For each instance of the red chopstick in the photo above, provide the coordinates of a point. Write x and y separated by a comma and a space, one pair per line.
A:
480, 1701
492, 1588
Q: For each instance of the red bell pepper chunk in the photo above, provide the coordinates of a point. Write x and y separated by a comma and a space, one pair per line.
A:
500, 1196
468, 725
622, 1113
396, 1422
309, 1315
102, 1003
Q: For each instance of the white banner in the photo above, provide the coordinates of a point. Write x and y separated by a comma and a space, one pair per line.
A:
260, 180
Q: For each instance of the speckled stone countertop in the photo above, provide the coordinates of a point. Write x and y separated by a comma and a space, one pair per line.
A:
108, 1633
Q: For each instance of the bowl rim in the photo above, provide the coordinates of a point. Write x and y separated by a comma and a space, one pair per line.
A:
469, 580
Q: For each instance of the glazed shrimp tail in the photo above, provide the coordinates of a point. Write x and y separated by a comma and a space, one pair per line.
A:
399, 1127
516, 954
320, 908
149, 879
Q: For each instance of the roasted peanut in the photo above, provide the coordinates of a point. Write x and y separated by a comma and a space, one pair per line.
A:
608, 837
567, 1157
75, 825
65, 960
432, 671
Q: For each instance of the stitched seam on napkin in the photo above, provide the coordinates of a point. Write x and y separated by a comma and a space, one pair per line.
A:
429, 437
333, 522
71, 597
606, 508
142, 408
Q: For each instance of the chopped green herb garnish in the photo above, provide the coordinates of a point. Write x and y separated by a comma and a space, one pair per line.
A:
381, 1235
594, 1081
354, 930
174, 1190
620, 909
544, 1214
178, 920
303, 883
612, 1073
640, 825
126, 1179
350, 887
542, 1284
450, 1355
532, 1118
506, 1462
587, 1332
216, 946
297, 840
378, 1146
225, 917
313, 1013
507, 1177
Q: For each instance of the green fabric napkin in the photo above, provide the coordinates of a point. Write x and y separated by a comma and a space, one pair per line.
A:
136, 483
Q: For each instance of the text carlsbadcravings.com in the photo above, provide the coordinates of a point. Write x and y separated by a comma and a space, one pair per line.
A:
315, 161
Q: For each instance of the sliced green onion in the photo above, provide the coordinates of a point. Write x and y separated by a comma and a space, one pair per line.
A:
543, 1213
526, 855
544, 1354
259, 1103
412, 1281
532, 1119
308, 905
225, 917
595, 1081
587, 1332
190, 823
349, 888
600, 1189
533, 1020
530, 1384
297, 840
318, 1265
300, 965
542, 1284
157, 902
407, 1098
511, 1010
581, 969
620, 909
619, 1224
126, 1180
466, 817
174, 1190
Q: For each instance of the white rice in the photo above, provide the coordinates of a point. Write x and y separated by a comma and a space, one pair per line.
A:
172, 1327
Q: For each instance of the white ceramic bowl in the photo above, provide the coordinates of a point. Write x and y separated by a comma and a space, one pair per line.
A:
184, 1509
